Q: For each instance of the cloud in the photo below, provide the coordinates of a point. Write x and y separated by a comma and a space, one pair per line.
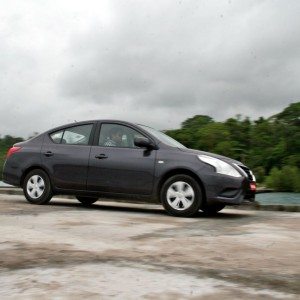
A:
140, 61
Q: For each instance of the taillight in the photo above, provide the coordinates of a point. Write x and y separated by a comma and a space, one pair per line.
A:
12, 150
253, 186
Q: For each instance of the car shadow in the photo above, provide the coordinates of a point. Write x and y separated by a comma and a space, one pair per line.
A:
156, 210
127, 207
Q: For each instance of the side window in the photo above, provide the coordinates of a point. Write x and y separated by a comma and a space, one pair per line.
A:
76, 135
56, 136
114, 135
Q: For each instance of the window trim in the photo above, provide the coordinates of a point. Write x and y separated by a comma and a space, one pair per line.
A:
98, 131
63, 129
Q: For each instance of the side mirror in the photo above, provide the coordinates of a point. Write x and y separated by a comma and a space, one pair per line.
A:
143, 142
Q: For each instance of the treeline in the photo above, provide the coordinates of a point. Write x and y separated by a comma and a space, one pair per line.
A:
270, 147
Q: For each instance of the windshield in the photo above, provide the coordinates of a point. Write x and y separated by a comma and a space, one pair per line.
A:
162, 137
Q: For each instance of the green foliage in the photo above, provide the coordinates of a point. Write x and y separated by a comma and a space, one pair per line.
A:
210, 135
2, 159
292, 160
286, 179
290, 115
259, 172
196, 122
226, 148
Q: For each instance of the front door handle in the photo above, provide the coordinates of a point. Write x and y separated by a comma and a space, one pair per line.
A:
101, 156
49, 153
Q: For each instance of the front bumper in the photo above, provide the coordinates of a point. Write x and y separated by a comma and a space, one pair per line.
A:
228, 190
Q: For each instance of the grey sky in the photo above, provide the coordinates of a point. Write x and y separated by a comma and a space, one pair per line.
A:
153, 62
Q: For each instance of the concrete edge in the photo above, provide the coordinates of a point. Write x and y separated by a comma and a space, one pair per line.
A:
269, 207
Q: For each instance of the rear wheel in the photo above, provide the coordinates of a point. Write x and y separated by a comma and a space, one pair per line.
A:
86, 201
181, 196
37, 187
212, 209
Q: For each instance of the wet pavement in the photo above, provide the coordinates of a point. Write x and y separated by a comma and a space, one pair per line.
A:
126, 251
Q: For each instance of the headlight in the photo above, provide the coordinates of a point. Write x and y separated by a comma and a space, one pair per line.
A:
221, 166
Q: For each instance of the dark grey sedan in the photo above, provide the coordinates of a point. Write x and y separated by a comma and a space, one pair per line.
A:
109, 158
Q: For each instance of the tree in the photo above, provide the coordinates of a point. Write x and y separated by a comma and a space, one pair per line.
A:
196, 122
290, 115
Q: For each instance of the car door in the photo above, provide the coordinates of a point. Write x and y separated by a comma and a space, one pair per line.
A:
116, 165
65, 154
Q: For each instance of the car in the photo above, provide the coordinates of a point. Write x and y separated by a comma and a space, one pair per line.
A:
121, 160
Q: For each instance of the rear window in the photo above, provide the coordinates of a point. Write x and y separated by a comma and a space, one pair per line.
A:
56, 136
76, 135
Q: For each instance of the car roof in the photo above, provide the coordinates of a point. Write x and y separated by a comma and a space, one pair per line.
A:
75, 123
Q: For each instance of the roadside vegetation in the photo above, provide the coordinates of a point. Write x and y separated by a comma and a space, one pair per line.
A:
269, 146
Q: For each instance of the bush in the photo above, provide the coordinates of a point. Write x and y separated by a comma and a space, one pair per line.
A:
286, 179
2, 160
259, 173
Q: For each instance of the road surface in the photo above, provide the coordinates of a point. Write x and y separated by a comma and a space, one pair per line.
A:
125, 251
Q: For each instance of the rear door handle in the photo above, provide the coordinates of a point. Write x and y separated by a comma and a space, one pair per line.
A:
49, 153
101, 156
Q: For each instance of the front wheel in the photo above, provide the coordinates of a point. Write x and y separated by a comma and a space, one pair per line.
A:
86, 201
37, 187
181, 196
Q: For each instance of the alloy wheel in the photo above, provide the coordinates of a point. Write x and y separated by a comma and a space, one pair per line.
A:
35, 186
180, 195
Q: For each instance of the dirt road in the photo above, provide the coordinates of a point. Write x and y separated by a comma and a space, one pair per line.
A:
125, 251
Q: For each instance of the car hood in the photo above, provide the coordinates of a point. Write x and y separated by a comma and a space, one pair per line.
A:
221, 157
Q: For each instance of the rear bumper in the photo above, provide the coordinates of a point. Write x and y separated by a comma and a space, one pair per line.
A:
11, 175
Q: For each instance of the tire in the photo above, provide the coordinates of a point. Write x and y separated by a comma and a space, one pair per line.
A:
37, 187
173, 194
86, 201
212, 209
